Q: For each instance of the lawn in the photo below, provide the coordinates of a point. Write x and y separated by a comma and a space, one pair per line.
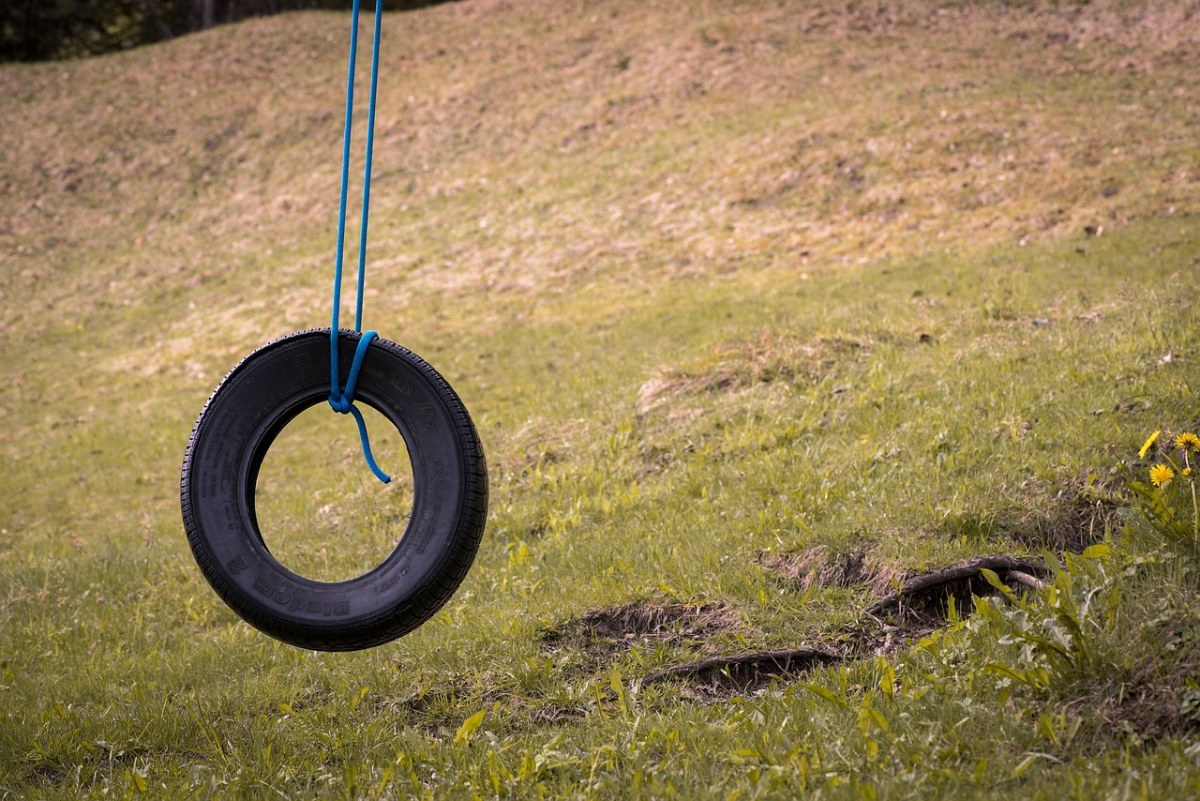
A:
770, 315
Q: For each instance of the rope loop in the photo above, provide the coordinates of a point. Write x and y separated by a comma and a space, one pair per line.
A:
342, 401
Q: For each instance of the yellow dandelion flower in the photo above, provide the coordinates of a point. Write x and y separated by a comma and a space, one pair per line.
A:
1161, 475
1187, 440
1187, 471
1148, 444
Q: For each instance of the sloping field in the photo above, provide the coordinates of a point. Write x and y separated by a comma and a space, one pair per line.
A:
791, 330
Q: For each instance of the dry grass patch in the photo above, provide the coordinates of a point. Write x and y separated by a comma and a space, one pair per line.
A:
771, 357
696, 141
818, 567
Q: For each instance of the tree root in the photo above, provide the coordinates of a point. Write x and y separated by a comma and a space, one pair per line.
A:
919, 606
747, 669
919, 590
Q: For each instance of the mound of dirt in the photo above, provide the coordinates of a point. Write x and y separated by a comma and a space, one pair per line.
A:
817, 566
609, 630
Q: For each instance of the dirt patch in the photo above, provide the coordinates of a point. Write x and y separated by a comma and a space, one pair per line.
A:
611, 630
925, 599
919, 606
555, 713
1078, 517
816, 566
771, 357
723, 676
540, 442
1075, 516
1157, 698
1154, 706
432, 710
45, 775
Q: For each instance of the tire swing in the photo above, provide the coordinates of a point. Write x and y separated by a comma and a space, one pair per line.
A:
273, 385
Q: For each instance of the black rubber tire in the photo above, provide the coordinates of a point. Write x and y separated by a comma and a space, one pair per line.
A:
220, 468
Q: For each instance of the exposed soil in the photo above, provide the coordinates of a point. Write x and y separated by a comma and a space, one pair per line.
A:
45, 775
921, 605
725, 676
433, 710
610, 630
1154, 706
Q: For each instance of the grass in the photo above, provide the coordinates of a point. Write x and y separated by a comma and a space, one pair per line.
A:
725, 289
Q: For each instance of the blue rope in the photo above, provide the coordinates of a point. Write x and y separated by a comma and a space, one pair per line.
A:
366, 201
342, 401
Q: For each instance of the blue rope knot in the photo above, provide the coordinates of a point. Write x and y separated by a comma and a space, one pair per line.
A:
342, 401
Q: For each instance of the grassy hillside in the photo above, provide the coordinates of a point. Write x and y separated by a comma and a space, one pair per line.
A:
763, 311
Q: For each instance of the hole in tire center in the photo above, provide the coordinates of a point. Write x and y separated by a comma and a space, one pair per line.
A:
321, 511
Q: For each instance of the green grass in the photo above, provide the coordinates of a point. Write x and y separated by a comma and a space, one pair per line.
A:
720, 287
